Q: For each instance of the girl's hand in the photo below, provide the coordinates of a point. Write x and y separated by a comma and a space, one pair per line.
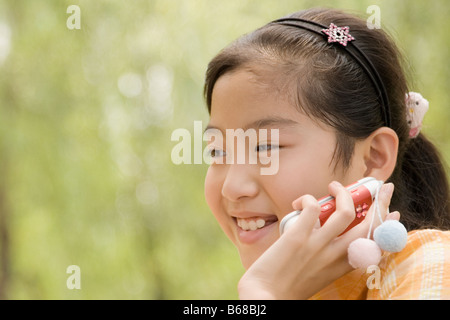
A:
306, 259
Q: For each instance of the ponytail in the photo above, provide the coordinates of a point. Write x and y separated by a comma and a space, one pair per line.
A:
422, 191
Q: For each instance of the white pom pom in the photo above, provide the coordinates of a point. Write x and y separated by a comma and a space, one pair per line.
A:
363, 253
391, 236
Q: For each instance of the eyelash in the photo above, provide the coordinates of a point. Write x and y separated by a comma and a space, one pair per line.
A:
212, 152
258, 148
268, 145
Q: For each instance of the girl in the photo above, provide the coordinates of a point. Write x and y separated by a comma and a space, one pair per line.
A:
336, 95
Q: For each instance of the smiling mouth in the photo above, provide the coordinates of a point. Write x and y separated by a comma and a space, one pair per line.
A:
255, 223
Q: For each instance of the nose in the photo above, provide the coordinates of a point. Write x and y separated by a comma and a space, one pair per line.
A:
240, 182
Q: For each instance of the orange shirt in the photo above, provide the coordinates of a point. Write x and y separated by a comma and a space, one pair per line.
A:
420, 271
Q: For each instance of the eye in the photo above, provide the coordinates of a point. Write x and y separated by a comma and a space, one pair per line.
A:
215, 153
266, 147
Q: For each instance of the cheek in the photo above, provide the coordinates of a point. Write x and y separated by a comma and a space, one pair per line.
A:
213, 196
298, 175
212, 190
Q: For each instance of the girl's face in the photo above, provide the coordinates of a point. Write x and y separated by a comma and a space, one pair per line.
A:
249, 206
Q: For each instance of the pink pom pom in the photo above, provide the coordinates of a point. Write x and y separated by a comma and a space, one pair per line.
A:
363, 253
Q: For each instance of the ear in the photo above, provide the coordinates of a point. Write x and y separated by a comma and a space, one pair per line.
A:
379, 152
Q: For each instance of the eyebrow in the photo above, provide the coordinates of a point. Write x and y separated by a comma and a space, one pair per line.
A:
264, 123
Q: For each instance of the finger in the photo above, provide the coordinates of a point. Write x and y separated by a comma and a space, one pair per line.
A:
344, 214
310, 210
380, 212
395, 215
384, 198
296, 204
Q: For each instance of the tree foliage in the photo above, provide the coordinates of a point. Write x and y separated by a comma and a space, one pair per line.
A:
86, 117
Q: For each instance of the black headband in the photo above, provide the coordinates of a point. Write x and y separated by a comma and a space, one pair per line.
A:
341, 35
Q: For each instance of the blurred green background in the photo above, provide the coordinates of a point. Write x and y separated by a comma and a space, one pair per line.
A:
86, 118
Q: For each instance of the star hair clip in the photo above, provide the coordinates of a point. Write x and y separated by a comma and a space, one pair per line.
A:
338, 34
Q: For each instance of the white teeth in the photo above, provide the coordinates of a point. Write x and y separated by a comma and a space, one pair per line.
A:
251, 224
260, 223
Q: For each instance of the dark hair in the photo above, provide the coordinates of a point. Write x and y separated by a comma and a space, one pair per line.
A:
330, 86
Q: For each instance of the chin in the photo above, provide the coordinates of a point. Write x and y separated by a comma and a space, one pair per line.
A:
250, 253
247, 259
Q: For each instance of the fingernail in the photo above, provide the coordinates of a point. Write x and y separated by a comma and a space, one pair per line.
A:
395, 215
336, 184
387, 189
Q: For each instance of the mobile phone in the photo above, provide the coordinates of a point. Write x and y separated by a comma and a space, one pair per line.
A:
363, 193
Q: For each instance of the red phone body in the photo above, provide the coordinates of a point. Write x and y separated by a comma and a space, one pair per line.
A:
363, 192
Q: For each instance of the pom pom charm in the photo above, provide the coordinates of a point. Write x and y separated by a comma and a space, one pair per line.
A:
416, 107
391, 236
363, 253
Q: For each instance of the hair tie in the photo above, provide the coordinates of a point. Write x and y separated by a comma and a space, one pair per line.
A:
416, 107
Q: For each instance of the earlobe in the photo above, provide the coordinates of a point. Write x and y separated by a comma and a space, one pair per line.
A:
380, 153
